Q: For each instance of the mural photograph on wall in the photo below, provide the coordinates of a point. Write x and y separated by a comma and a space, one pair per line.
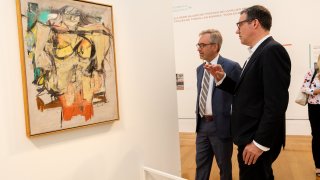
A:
68, 64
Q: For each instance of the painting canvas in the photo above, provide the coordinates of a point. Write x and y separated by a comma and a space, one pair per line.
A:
68, 64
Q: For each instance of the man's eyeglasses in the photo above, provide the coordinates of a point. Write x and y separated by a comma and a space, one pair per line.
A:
241, 22
202, 45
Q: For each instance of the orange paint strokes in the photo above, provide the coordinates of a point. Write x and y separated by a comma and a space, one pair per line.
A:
78, 107
42, 106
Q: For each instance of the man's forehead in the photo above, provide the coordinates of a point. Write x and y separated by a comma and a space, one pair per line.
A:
243, 16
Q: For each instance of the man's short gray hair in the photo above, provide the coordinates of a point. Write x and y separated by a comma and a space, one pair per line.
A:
215, 37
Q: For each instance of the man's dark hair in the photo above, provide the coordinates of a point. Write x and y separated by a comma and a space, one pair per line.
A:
261, 13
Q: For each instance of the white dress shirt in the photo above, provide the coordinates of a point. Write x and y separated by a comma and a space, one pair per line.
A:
208, 110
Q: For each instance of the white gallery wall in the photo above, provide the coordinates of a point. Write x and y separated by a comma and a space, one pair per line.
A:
145, 135
294, 25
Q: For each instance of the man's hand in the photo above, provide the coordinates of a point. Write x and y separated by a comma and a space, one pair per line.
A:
215, 70
251, 153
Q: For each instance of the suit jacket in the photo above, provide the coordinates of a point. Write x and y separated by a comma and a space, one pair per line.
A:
261, 96
221, 100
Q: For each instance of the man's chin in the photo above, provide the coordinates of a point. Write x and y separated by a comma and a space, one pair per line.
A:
243, 42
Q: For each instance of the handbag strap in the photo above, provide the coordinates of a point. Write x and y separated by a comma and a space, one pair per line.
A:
314, 74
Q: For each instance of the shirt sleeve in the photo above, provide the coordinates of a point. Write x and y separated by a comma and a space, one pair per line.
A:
263, 148
221, 80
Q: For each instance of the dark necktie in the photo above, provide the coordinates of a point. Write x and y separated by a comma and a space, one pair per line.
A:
204, 93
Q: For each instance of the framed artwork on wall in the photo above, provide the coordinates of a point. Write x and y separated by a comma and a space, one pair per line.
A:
68, 64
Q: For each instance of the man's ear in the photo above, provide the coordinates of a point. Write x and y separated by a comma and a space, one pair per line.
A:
215, 46
256, 23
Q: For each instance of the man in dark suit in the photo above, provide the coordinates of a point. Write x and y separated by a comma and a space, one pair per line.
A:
213, 110
260, 95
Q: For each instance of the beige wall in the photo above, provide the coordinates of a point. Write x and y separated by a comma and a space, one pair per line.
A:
294, 24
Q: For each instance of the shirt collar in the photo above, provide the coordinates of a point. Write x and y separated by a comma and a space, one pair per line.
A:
255, 47
214, 60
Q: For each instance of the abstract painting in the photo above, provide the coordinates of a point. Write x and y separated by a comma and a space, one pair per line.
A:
68, 64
